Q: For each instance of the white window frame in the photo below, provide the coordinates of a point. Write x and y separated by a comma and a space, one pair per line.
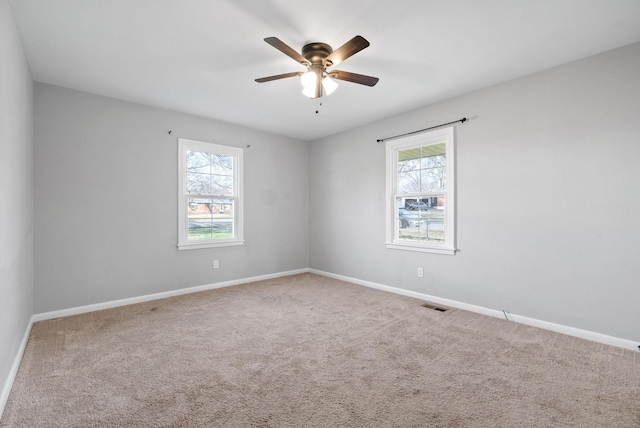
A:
393, 147
184, 146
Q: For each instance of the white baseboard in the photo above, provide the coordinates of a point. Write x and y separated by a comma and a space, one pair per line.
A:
8, 384
558, 328
139, 299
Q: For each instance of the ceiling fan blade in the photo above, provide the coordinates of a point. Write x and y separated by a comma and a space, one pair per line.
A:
350, 48
354, 77
279, 76
285, 49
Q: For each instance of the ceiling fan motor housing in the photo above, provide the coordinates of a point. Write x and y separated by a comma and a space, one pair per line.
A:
316, 52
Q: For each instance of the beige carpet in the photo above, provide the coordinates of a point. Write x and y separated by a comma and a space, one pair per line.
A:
307, 351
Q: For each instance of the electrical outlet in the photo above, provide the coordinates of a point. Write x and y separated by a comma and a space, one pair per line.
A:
215, 264
420, 273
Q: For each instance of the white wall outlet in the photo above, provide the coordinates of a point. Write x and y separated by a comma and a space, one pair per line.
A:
420, 273
215, 264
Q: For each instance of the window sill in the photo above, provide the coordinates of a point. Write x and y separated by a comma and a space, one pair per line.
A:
420, 248
198, 245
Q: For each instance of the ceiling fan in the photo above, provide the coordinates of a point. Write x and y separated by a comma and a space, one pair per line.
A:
317, 58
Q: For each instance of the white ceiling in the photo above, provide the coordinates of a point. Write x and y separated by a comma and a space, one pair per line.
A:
202, 56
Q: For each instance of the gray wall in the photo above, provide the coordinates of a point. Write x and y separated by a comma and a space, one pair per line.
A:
548, 205
106, 201
16, 193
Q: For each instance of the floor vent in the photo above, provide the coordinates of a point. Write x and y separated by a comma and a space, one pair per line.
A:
434, 307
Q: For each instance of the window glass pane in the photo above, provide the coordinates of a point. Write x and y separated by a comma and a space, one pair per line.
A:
421, 219
422, 203
439, 149
198, 162
433, 161
409, 182
223, 207
422, 169
210, 218
209, 174
407, 220
405, 158
223, 218
198, 184
433, 179
199, 219
222, 165
433, 168
222, 185
409, 164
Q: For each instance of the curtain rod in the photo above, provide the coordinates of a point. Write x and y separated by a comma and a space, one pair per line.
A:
463, 120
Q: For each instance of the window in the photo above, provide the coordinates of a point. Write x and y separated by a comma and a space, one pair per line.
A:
209, 195
420, 192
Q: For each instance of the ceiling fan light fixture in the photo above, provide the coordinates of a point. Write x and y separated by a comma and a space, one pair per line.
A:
309, 80
329, 85
309, 92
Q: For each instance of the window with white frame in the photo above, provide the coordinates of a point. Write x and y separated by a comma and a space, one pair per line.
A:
420, 192
209, 195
